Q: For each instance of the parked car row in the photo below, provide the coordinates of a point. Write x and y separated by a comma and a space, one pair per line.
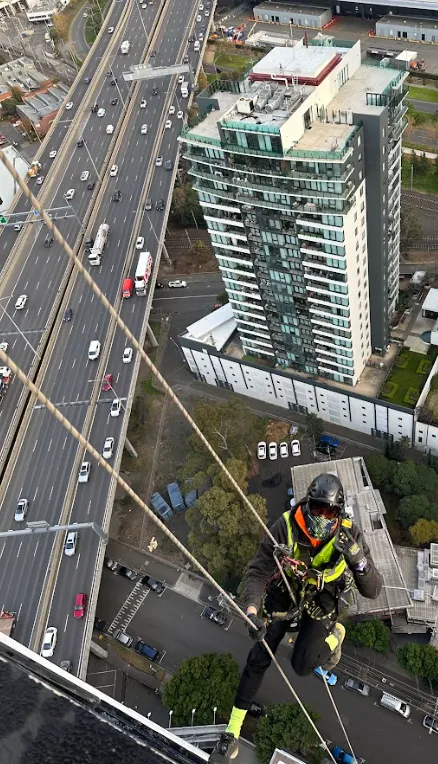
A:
273, 449
158, 587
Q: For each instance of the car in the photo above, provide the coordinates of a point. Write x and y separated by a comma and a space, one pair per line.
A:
272, 450
110, 30
180, 79
192, 38
172, 110
80, 143
206, 14
155, 90
328, 440
117, 195
71, 541
114, 101
4, 346
107, 382
329, 451
115, 407
21, 302
127, 355
85, 175
68, 315
357, 686
101, 112
66, 666
110, 564
214, 615
143, 103
53, 154
90, 185
40, 180
113, 82
177, 284
80, 604
123, 638
109, 129
69, 105
149, 652
153, 53
329, 676
94, 350
343, 757
127, 573
87, 80
94, 108
21, 511
148, 204
159, 205
201, 7
295, 448
430, 723
198, 18
180, 115
201, 35
49, 642
85, 15
139, 244
284, 449
5, 374
17, 227
159, 161
168, 164
99, 624
144, 5
84, 472
108, 448
273, 481
261, 450
113, 171
69, 194
151, 583
186, 59
144, 129
168, 124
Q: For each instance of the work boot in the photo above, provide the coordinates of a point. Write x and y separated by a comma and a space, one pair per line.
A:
334, 641
226, 748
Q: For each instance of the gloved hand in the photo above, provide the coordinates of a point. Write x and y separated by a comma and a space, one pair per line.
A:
352, 551
259, 632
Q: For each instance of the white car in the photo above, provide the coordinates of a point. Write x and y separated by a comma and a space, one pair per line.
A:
144, 5
172, 109
168, 124
198, 18
69, 105
108, 448
21, 511
109, 129
178, 284
84, 472
49, 642
284, 450
296, 448
201, 7
144, 129
70, 543
53, 154
206, 14
180, 115
69, 194
139, 243
115, 407
110, 30
143, 103
85, 175
180, 79
21, 302
101, 112
4, 346
94, 350
273, 451
40, 180
5, 374
114, 170
127, 355
158, 161
261, 450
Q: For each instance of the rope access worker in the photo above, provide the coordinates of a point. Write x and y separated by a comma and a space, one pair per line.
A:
303, 584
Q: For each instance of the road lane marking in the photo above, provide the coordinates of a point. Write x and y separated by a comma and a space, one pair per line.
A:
65, 441
36, 493
66, 622
3, 549
19, 548
89, 507
36, 548
36, 443
77, 563
51, 491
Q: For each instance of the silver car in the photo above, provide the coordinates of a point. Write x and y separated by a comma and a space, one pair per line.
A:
123, 638
357, 686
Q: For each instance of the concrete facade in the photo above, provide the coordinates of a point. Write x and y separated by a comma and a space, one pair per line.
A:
302, 16
410, 28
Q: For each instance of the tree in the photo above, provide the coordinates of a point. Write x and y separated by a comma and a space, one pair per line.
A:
185, 205
373, 634
314, 426
424, 165
424, 532
419, 660
202, 682
397, 451
410, 228
222, 531
285, 727
413, 508
200, 252
405, 479
222, 298
380, 470
202, 80
17, 94
9, 108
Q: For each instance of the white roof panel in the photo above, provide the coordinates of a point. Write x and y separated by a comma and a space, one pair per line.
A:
431, 301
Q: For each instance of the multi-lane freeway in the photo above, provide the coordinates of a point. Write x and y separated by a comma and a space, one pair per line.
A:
44, 469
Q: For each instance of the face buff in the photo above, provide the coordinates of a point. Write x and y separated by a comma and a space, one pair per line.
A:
320, 527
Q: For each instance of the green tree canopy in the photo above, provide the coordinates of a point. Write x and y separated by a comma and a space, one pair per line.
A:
419, 660
413, 508
380, 470
314, 426
405, 479
285, 727
202, 682
373, 634
424, 532
185, 206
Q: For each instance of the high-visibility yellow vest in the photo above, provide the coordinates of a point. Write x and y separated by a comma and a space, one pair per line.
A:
322, 558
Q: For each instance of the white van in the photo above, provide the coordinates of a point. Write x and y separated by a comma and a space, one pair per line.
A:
196, 45
395, 704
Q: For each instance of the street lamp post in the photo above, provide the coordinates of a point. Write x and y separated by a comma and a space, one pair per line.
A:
214, 715
170, 718
92, 162
193, 715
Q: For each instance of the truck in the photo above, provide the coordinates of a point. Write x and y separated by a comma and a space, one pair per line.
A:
124, 48
34, 169
7, 622
142, 273
127, 288
175, 497
185, 89
96, 252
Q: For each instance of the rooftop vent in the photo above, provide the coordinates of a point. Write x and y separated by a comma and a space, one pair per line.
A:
262, 98
276, 101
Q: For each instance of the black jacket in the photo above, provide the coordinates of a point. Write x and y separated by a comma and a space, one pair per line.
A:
262, 568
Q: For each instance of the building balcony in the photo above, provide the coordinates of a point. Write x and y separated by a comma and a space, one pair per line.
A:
330, 277
309, 221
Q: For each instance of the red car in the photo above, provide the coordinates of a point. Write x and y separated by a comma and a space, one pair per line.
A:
107, 382
81, 601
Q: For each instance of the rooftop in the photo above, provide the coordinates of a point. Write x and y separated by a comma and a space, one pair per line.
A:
367, 509
367, 79
213, 329
411, 21
22, 73
420, 571
431, 301
298, 61
291, 9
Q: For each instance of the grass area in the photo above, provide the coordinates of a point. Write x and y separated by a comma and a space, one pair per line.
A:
426, 182
423, 94
136, 660
418, 146
211, 77
92, 29
404, 383
233, 61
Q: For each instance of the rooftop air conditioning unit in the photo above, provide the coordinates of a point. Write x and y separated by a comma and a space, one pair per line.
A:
245, 105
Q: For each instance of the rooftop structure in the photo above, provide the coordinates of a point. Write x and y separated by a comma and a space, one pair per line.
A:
364, 504
420, 571
22, 73
430, 304
215, 328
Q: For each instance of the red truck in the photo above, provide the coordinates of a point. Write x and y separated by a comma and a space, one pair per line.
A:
128, 287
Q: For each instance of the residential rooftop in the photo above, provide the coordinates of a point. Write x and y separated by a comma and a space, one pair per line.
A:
367, 79
420, 571
23, 74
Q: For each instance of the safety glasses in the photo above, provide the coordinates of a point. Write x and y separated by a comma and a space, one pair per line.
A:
323, 510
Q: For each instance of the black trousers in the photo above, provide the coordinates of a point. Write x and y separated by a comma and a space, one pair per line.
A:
309, 651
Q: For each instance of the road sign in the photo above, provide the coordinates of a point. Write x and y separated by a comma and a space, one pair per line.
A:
2, 219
